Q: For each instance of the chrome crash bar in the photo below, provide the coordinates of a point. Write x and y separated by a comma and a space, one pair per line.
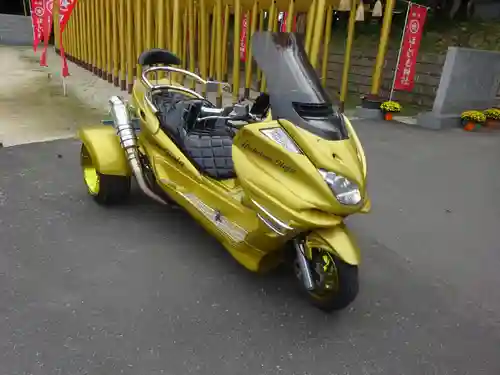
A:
168, 69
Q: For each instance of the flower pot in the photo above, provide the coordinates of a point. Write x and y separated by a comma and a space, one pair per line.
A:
371, 102
492, 124
388, 116
470, 126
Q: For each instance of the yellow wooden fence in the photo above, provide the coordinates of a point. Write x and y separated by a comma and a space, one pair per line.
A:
107, 36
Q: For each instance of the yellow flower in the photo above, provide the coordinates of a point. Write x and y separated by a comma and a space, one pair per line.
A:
492, 114
391, 106
475, 116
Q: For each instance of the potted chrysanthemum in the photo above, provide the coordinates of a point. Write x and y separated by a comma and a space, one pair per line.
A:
472, 120
492, 118
390, 107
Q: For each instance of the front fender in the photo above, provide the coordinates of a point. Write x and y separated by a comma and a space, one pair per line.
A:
105, 150
338, 240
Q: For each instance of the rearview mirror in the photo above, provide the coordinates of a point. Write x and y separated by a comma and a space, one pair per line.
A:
213, 86
241, 110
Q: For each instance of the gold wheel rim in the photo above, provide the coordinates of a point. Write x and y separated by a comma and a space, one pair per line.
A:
329, 269
90, 175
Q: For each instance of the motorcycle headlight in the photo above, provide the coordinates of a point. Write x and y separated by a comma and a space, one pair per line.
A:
346, 191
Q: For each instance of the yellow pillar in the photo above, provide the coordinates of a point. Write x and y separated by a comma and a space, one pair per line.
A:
149, 24
270, 27
347, 57
93, 33
203, 40
218, 47
261, 28
115, 42
310, 25
213, 32
290, 16
109, 42
168, 21
55, 14
131, 58
248, 66
121, 25
184, 49
160, 25
224, 42
326, 46
191, 42
101, 12
382, 48
176, 30
319, 22
138, 36
84, 42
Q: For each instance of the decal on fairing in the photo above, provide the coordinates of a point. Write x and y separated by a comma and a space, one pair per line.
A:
280, 163
235, 232
175, 159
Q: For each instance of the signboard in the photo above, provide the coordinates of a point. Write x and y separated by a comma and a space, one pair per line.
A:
405, 70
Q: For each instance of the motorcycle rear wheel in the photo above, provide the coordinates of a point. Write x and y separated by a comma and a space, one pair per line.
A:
336, 282
105, 189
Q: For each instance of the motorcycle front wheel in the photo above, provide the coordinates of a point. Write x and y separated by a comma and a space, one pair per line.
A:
336, 282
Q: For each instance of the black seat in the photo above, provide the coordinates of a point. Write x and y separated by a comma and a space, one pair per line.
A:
209, 148
158, 56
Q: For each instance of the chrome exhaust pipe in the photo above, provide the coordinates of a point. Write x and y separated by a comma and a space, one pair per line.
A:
128, 141
307, 278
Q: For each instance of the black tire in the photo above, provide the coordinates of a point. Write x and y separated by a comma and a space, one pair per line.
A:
104, 189
112, 190
344, 294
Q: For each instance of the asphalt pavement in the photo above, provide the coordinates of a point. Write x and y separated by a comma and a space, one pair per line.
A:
143, 290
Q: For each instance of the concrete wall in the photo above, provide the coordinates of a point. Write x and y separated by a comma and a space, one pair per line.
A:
15, 30
470, 80
429, 67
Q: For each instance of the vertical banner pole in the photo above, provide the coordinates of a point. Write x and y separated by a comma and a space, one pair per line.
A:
399, 52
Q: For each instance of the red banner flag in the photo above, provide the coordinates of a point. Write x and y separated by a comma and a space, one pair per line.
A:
65, 9
46, 27
283, 23
43, 16
37, 11
405, 70
243, 37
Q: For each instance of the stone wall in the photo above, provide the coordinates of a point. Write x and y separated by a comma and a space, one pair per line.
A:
429, 68
15, 30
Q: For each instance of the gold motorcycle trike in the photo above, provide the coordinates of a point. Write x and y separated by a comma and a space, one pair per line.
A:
272, 180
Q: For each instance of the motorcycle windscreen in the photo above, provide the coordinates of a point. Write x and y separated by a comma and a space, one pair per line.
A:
293, 86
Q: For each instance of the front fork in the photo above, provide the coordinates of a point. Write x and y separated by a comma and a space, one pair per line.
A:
305, 268
336, 240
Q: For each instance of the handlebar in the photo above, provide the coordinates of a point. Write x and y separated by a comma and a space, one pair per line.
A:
247, 118
209, 113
